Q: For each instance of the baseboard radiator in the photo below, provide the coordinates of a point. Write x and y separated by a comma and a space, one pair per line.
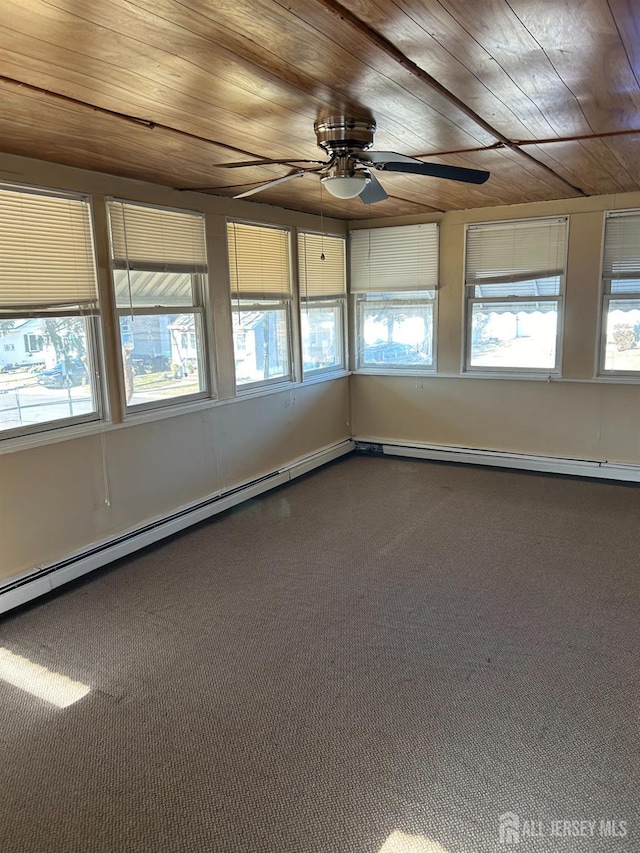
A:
40, 581
499, 459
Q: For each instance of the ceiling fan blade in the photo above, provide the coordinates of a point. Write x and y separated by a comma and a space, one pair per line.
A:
384, 157
437, 170
265, 186
373, 192
261, 162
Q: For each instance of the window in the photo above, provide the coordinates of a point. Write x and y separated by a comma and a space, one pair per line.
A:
394, 275
33, 343
160, 278
621, 293
48, 311
323, 292
260, 272
514, 276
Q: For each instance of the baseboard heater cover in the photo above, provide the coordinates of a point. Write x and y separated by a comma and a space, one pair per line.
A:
47, 578
500, 459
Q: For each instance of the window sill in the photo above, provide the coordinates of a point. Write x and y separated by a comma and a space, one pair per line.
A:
52, 436
433, 374
321, 375
264, 390
249, 389
620, 378
514, 377
532, 375
399, 371
159, 413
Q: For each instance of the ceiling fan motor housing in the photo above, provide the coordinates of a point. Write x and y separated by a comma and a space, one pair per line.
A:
338, 136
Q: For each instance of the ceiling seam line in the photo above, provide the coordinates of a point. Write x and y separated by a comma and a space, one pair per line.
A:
580, 137
586, 137
391, 50
142, 122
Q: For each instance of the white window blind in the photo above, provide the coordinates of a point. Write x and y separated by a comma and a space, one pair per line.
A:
259, 265
622, 246
401, 258
46, 250
321, 260
523, 250
154, 238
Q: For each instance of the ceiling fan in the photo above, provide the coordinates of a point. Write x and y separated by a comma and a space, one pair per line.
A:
348, 171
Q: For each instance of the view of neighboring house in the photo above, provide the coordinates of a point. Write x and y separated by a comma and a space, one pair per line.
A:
184, 344
259, 350
26, 345
147, 340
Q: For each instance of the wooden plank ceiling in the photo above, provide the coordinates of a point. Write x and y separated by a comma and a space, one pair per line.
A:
543, 93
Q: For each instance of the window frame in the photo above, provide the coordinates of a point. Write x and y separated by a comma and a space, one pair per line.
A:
469, 301
330, 302
259, 307
606, 297
334, 300
420, 279
262, 302
360, 301
199, 308
90, 313
204, 356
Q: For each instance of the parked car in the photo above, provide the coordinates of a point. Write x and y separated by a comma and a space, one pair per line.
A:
392, 353
68, 372
149, 363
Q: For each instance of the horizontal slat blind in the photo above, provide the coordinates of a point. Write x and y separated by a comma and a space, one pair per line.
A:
155, 238
505, 252
394, 259
321, 260
259, 264
46, 250
622, 246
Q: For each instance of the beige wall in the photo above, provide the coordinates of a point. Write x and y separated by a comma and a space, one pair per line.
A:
561, 419
61, 497
57, 498
585, 419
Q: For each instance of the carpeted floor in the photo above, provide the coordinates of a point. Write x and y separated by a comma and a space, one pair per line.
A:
384, 656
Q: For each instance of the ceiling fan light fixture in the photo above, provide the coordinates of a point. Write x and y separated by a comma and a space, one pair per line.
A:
346, 186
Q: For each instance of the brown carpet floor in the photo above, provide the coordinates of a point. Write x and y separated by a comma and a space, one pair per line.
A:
384, 656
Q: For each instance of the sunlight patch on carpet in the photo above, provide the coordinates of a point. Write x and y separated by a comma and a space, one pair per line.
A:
400, 842
40, 681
